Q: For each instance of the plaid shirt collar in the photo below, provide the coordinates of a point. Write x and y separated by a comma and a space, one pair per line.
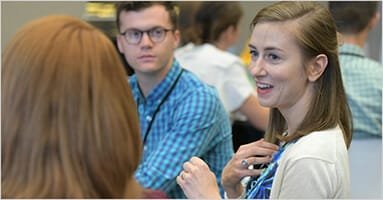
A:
160, 90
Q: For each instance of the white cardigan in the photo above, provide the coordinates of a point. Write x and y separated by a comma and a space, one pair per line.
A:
316, 166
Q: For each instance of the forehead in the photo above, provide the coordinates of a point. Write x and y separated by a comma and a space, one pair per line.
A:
279, 35
146, 18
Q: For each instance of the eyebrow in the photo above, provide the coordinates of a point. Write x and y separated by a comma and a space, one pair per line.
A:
266, 49
137, 29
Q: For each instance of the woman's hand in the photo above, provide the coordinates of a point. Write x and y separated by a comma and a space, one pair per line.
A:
259, 152
197, 181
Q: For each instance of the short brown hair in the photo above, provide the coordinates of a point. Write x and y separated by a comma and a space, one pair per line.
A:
213, 18
139, 5
69, 122
352, 16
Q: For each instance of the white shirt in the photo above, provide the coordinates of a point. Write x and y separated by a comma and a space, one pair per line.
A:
316, 166
223, 70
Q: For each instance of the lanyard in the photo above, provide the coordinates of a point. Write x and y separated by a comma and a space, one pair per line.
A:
159, 105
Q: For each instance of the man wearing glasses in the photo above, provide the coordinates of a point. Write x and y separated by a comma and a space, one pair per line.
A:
180, 116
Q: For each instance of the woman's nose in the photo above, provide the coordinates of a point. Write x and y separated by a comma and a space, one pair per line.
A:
257, 67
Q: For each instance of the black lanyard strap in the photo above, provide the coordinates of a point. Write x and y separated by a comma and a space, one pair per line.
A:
160, 104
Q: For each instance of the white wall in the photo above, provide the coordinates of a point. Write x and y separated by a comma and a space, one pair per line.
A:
16, 14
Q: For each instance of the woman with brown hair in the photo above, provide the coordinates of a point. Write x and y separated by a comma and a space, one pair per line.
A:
294, 62
69, 122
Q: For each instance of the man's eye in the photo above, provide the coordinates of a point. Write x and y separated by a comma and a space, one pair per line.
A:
156, 32
133, 33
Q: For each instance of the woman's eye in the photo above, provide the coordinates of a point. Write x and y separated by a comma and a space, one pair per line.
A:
253, 54
273, 57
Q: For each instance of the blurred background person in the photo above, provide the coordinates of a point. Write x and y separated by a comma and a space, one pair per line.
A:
186, 13
362, 78
215, 29
69, 122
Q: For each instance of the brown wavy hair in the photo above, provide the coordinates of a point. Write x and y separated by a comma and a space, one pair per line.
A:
69, 122
316, 34
213, 18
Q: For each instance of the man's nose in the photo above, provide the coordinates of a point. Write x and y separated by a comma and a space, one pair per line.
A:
146, 40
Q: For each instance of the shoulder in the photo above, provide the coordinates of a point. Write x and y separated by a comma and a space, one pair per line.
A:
353, 57
192, 88
325, 145
184, 49
198, 103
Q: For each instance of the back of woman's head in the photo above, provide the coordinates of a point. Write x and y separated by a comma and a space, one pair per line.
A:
315, 33
213, 18
69, 122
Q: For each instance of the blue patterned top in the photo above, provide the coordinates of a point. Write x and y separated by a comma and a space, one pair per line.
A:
259, 187
191, 122
362, 79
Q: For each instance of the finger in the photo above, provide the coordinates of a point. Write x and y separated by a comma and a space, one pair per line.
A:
197, 162
259, 160
195, 159
180, 181
188, 167
259, 148
268, 145
244, 163
253, 172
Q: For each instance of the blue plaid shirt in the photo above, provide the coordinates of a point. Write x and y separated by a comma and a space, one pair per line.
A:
191, 122
362, 78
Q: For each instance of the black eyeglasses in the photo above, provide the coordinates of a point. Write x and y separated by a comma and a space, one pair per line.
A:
134, 36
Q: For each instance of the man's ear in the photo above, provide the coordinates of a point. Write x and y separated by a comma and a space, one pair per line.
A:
373, 21
177, 38
119, 43
317, 67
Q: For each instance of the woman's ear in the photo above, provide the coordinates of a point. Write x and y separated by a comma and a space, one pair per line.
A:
317, 67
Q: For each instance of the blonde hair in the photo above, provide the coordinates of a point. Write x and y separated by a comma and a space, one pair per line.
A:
316, 34
69, 122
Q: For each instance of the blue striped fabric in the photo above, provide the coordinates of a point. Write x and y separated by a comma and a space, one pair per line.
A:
362, 78
191, 122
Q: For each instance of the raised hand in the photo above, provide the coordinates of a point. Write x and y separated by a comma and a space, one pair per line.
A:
259, 152
197, 181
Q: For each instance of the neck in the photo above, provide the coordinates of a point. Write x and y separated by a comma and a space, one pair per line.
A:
147, 83
296, 113
355, 39
222, 45
149, 80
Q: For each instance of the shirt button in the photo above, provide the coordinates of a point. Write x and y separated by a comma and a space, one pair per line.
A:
148, 118
145, 148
